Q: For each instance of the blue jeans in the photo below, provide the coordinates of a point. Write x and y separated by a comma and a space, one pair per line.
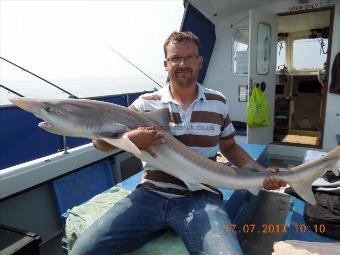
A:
198, 219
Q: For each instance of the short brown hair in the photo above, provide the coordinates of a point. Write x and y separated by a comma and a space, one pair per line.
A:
179, 37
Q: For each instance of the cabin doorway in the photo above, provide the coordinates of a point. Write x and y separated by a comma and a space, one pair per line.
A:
303, 52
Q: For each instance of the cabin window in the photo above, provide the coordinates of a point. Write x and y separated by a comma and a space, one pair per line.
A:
308, 55
263, 48
240, 52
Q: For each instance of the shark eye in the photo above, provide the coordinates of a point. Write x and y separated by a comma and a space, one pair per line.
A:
48, 109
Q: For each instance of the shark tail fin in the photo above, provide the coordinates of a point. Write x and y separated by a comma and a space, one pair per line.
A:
305, 191
303, 187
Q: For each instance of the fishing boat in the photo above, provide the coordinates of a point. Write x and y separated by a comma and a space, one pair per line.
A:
285, 48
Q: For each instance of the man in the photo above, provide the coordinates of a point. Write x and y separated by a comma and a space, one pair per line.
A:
199, 118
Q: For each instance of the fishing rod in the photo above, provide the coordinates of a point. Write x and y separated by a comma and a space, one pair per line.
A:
10, 90
135, 66
63, 90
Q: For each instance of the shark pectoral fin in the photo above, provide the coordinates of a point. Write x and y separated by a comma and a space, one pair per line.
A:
123, 143
305, 191
193, 185
254, 191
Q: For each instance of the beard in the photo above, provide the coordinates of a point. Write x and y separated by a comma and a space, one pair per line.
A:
184, 82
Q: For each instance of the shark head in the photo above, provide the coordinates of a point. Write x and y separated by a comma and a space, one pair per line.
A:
55, 115
69, 117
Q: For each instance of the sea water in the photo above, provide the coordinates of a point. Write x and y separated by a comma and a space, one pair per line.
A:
36, 88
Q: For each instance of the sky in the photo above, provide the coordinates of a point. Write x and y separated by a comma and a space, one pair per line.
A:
62, 39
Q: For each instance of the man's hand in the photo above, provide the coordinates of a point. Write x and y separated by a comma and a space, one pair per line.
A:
103, 146
272, 182
145, 137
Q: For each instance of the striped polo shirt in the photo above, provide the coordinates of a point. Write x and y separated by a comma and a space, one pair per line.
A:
201, 127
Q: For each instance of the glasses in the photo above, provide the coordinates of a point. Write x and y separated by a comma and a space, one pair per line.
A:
177, 60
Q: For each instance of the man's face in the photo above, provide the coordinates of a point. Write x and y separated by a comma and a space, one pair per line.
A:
183, 63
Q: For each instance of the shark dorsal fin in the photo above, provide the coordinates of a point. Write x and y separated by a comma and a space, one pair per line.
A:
159, 117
